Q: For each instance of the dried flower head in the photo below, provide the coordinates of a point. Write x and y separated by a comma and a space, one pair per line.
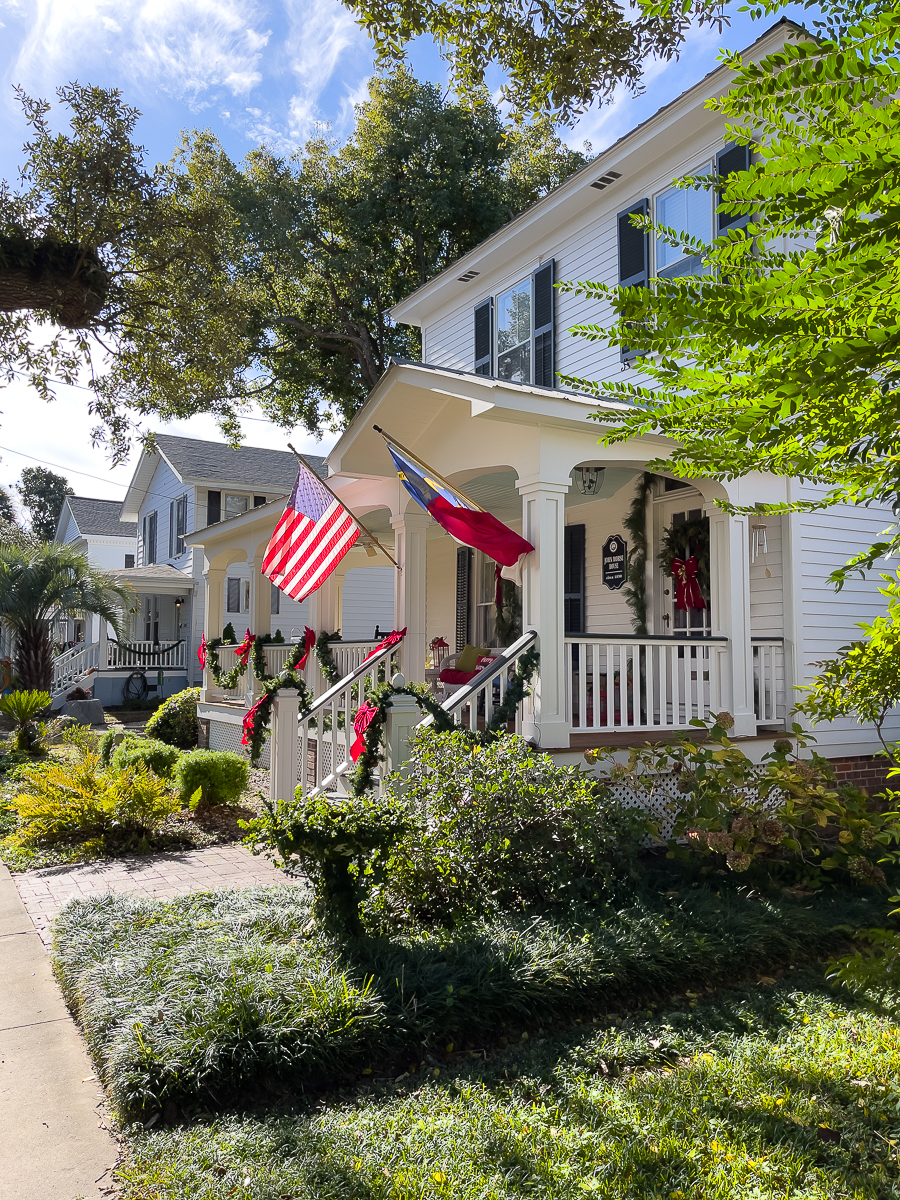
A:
696, 837
782, 746
772, 831
720, 841
738, 861
867, 838
742, 827
725, 720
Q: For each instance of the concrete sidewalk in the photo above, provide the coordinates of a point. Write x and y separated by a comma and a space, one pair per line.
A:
52, 1145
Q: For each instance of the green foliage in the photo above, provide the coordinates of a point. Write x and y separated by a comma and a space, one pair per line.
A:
864, 679
23, 708
207, 777
40, 582
229, 637
13, 759
635, 591
340, 842
78, 799
556, 59
175, 721
681, 541
223, 997
498, 828
733, 1095
785, 360
784, 816
43, 494
155, 756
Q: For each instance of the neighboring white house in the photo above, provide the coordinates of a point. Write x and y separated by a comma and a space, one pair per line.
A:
485, 410
94, 527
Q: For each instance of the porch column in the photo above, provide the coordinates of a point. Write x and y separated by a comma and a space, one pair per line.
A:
410, 530
543, 524
729, 562
213, 586
260, 615
323, 612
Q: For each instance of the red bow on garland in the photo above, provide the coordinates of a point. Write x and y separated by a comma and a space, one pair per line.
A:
687, 589
309, 639
249, 721
365, 714
243, 650
201, 652
395, 636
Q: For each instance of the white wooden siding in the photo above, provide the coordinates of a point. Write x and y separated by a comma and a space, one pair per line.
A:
368, 600
165, 486
605, 611
767, 591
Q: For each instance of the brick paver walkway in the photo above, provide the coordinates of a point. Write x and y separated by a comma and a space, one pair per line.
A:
45, 891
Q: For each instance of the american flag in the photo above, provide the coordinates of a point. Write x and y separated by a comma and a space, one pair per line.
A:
313, 535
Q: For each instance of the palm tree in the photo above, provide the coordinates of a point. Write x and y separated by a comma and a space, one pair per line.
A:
38, 583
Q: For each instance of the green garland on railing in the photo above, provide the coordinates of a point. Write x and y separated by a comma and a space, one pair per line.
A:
363, 777
325, 658
224, 679
258, 718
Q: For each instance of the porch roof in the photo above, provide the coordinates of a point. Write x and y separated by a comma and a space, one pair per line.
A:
156, 579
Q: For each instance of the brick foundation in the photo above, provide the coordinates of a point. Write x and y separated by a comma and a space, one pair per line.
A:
868, 772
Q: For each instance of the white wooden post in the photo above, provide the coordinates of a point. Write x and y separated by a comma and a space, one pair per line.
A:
543, 524
102, 646
410, 530
283, 766
729, 561
403, 715
214, 583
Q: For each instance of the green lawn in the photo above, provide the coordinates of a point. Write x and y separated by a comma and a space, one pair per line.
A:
778, 1090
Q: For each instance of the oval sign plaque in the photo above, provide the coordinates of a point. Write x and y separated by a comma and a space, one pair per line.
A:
615, 561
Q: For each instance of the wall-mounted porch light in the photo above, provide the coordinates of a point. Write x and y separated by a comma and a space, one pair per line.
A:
589, 480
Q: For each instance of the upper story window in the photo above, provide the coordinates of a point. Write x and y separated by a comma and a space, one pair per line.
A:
514, 333
177, 526
235, 505
689, 211
148, 538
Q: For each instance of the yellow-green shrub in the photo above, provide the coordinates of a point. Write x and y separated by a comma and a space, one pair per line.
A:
84, 801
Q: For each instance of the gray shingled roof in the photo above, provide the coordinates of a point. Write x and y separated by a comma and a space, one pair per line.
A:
100, 518
250, 465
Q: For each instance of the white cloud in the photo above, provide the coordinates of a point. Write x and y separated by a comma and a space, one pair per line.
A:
320, 34
182, 47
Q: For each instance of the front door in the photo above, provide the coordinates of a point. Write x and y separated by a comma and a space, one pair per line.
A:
679, 524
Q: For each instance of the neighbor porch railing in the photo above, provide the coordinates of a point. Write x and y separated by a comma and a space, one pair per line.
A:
72, 665
145, 654
473, 705
326, 731
648, 683
769, 691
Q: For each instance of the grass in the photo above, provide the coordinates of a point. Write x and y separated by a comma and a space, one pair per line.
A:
770, 1091
220, 998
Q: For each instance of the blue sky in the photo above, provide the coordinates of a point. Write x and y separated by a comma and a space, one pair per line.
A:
251, 71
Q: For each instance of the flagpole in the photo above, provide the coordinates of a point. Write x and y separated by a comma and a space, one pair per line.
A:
431, 471
368, 534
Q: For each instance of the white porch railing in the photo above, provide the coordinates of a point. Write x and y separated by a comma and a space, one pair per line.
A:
145, 654
769, 695
632, 684
72, 665
326, 731
473, 705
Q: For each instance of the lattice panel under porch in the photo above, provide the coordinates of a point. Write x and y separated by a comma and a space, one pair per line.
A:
226, 736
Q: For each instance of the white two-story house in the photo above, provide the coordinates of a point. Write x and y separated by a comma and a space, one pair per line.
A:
485, 410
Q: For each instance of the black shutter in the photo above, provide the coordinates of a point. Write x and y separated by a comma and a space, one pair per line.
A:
634, 256
151, 538
172, 529
213, 508
729, 160
483, 337
544, 366
463, 576
573, 578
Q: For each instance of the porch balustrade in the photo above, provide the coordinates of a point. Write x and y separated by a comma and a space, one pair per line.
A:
145, 654
473, 705
769, 694
633, 684
72, 665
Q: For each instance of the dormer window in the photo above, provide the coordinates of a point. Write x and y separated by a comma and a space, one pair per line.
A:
235, 505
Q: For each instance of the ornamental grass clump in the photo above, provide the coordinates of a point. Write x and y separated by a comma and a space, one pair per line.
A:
147, 752
80, 800
175, 721
208, 777
498, 828
23, 708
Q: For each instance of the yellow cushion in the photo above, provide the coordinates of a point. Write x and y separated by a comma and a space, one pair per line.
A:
466, 661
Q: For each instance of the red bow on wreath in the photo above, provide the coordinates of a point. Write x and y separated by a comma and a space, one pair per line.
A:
395, 636
249, 721
309, 640
243, 650
201, 651
365, 714
687, 589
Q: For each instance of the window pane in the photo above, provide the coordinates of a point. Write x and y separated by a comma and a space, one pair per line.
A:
689, 210
515, 364
235, 505
514, 316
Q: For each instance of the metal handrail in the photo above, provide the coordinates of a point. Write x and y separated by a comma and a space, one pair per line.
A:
461, 698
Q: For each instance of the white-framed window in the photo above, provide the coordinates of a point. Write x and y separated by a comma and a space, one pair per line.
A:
276, 601
689, 211
514, 332
235, 505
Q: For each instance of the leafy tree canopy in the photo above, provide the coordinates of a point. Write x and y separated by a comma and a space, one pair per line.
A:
205, 284
43, 493
784, 356
559, 56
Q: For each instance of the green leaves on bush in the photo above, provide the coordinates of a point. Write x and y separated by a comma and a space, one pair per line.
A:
79, 799
206, 777
175, 721
148, 752
24, 708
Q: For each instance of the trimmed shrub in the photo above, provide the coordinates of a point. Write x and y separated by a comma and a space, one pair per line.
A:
65, 801
156, 756
175, 721
206, 777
